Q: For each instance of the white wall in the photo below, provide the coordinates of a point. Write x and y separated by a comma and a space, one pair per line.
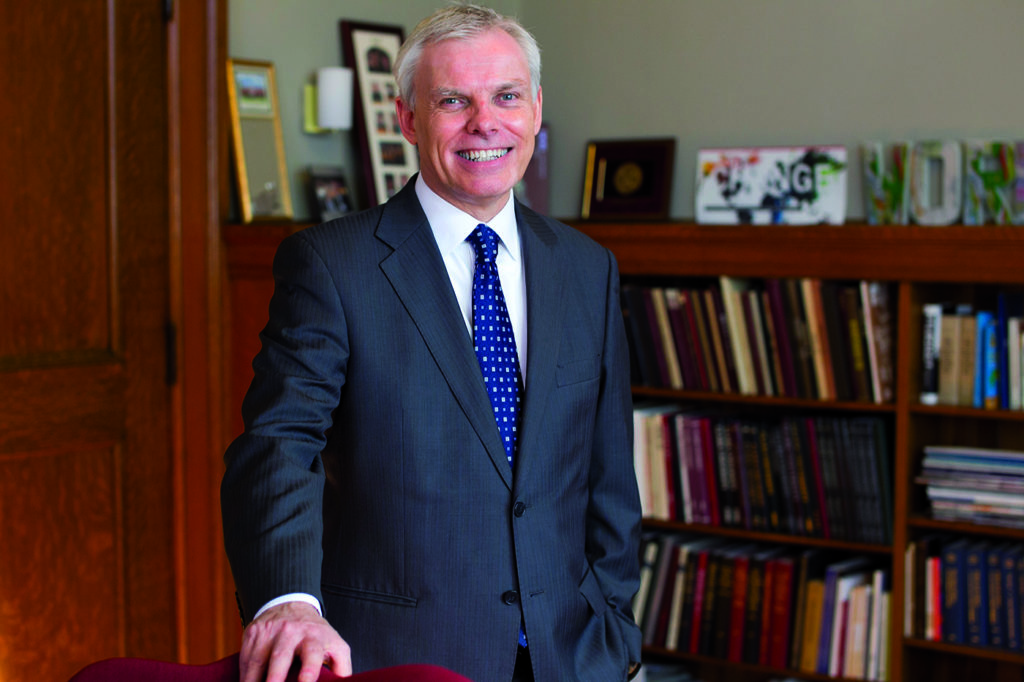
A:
709, 73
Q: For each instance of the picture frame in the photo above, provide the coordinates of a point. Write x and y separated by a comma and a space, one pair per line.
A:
329, 195
628, 179
388, 159
257, 143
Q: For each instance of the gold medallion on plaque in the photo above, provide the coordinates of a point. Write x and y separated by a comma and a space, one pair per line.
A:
628, 178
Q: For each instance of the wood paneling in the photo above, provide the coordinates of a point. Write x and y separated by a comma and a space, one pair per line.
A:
69, 554
85, 463
54, 295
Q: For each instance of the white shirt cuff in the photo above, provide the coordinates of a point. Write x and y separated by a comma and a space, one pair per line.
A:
294, 596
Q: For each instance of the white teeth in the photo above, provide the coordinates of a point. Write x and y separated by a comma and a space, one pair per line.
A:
483, 154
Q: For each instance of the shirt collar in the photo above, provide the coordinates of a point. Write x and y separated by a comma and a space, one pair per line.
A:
452, 225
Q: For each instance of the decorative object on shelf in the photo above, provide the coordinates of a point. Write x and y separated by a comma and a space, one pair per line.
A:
389, 160
936, 182
886, 191
988, 182
533, 190
258, 145
628, 179
1017, 197
328, 103
772, 185
329, 196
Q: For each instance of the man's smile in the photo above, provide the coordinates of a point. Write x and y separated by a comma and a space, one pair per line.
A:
484, 154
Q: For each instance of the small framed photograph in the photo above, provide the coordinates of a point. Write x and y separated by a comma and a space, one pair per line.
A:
257, 144
329, 196
628, 179
370, 51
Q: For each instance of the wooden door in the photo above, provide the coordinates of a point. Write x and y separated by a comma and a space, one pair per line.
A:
86, 547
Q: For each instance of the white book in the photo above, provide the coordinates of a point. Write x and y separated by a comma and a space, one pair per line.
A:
1013, 348
877, 637
844, 585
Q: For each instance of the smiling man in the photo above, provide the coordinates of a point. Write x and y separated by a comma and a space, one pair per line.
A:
436, 465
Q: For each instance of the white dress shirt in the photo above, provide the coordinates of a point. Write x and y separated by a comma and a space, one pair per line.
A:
451, 226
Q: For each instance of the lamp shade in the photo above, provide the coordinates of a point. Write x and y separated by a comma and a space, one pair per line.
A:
334, 97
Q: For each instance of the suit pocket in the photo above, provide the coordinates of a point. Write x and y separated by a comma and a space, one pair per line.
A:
370, 595
591, 591
577, 371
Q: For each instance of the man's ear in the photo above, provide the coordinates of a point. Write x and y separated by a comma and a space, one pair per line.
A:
406, 120
538, 111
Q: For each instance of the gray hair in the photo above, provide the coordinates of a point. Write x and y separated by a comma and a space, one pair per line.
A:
460, 22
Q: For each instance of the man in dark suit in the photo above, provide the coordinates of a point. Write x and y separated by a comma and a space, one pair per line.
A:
380, 482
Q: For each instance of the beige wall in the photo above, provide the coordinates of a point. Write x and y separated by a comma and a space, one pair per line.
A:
709, 73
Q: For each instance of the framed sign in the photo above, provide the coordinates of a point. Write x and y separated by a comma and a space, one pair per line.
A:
628, 179
260, 169
388, 159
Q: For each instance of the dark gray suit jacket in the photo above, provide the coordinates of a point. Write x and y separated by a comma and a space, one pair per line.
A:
372, 476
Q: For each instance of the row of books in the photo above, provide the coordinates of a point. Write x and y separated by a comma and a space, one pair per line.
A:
965, 591
821, 476
972, 358
803, 609
978, 485
798, 338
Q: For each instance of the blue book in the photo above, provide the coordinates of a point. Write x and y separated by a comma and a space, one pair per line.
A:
975, 601
996, 604
982, 319
1010, 556
991, 373
954, 591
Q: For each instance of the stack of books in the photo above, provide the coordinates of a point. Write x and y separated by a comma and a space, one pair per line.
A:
966, 591
798, 338
971, 357
803, 609
812, 476
979, 485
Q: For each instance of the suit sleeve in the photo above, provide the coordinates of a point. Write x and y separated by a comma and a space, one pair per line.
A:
272, 490
613, 514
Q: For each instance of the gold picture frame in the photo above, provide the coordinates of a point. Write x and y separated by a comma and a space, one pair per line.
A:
257, 143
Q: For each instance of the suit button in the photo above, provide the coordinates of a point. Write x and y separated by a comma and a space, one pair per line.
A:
519, 509
511, 597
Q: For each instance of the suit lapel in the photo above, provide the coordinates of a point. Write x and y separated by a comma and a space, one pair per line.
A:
417, 273
545, 283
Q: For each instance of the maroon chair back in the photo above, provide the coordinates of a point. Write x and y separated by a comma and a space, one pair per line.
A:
226, 670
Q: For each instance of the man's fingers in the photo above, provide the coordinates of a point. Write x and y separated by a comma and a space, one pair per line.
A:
340, 663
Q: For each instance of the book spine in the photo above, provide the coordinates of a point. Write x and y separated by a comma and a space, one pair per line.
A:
974, 596
996, 610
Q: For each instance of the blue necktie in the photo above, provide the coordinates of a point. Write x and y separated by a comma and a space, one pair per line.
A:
495, 344
493, 339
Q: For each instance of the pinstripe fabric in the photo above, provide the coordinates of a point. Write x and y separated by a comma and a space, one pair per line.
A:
371, 475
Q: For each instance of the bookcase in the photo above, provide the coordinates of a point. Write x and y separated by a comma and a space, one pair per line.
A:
922, 265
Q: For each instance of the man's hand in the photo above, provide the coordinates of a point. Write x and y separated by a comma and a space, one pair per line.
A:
288, 631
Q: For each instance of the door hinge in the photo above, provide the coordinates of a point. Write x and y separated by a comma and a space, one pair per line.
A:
171, 353
168, 10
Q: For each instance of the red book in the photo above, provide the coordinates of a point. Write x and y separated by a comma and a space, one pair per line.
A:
781, 609
707, 443
766, 612
694, 335
699, 586
741, 572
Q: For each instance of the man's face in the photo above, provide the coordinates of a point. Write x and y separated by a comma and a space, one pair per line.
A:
475, 121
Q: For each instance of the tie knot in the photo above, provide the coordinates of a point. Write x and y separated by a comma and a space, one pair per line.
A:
485, 243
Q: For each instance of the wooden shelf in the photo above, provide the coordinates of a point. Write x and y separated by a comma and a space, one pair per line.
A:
856, 251
924, 264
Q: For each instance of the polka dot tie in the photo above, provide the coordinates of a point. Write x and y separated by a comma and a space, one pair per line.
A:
493, 339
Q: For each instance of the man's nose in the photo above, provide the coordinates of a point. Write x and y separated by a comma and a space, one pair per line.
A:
483, 120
